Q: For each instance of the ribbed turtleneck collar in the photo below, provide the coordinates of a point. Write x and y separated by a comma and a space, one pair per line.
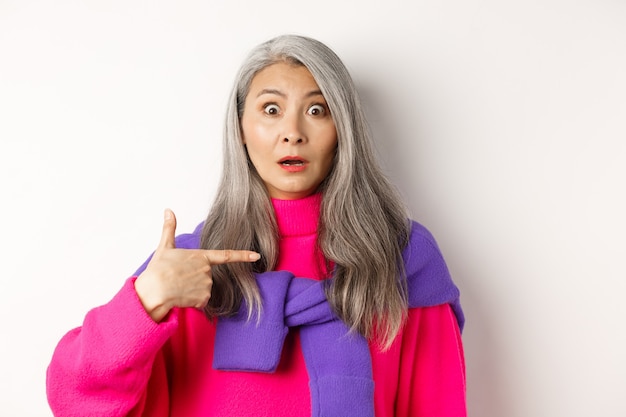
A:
298, 217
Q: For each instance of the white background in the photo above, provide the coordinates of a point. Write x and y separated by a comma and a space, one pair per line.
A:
502, 122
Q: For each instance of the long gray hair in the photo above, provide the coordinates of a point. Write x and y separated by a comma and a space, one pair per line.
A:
363, 223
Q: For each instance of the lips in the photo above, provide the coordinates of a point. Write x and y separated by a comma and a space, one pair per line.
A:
293, 164
292, 161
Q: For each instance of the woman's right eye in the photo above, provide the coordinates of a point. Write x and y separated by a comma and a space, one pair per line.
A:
271, 109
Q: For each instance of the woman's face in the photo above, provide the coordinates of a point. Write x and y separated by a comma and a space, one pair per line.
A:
288, 131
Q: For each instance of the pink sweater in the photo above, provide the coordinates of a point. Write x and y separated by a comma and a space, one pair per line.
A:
121, 363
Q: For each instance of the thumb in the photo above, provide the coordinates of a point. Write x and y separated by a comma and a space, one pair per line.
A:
169, 230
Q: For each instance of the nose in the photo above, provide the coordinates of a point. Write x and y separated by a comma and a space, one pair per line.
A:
293, 130
292, 139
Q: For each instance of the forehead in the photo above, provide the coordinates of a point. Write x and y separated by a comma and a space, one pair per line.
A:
283, 76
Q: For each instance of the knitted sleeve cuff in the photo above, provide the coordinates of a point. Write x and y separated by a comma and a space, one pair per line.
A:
124, 323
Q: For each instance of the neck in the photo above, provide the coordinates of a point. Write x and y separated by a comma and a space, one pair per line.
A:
297, 224
298, 217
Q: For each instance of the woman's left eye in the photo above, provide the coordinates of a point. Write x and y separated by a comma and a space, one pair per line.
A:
316, 110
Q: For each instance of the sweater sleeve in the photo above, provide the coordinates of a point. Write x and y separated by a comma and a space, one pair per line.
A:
104, 367
432, 373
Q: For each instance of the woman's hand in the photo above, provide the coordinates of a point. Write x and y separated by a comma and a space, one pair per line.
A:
181, 277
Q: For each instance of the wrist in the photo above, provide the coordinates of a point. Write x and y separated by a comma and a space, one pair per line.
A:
151, 300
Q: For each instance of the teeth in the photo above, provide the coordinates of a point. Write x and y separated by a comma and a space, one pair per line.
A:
293, 163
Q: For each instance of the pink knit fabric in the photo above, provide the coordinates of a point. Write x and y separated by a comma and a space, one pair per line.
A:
121, 363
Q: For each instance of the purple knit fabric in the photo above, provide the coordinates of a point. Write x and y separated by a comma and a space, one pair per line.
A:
338, 361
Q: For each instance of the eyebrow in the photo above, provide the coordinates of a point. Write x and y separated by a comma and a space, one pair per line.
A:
281, 94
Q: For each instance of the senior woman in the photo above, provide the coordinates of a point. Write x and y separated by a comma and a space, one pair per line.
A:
306, 291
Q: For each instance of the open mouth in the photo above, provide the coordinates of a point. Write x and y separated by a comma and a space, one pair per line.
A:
292, 162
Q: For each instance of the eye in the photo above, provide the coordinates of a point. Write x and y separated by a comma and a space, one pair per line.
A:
316, 110
271, 109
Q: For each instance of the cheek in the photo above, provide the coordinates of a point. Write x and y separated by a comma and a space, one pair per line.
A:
254, 135
331, 147
258, 147
330, 158
246, 131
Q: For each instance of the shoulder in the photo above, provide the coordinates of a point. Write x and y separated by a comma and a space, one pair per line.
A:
428, 279
190, 240
183, 241
421, 247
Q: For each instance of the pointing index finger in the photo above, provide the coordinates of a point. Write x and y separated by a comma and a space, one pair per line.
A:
216, 257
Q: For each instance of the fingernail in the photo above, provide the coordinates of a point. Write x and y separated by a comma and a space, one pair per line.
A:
168, 214
255, 256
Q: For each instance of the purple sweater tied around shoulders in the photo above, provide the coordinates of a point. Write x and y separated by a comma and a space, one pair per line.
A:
338, 361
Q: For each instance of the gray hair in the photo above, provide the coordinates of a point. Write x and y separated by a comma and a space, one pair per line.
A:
363, 224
